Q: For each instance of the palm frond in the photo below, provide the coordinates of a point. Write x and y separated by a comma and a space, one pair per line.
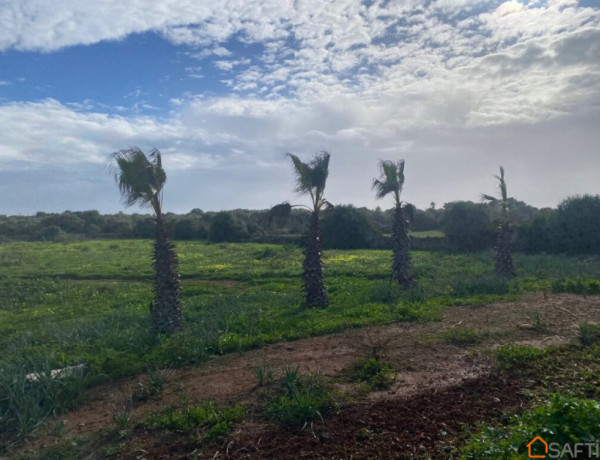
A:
319, 170
139, 179
503, 199
400, 168
391, 178
489, 198
327, 204
157, 174
279, 211
502, 184
303, 175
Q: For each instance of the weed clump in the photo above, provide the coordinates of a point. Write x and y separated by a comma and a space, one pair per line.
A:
375, 374
206, 420
512, 356
301, 399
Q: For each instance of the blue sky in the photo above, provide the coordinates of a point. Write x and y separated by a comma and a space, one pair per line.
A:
455, 87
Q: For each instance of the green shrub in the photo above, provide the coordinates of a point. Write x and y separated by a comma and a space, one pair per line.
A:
512, 355
264, 374
346, 227
226, 226
376, 374
561, 420
305, 398
467, 226
210, 422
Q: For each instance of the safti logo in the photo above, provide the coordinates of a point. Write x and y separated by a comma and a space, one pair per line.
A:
541, 445
538, 448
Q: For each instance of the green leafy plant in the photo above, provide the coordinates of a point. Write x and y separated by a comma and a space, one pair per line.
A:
302, 399
121, 419
208, 421
561, 420
264, 374
375, 374
511, 355
158, 378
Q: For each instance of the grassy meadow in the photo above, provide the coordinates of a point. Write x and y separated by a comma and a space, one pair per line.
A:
87, 302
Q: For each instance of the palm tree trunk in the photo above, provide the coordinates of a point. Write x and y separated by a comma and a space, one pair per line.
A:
315, 293
165, 311
504, 261
401, 266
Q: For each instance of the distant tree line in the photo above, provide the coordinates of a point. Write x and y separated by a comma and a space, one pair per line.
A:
573, 227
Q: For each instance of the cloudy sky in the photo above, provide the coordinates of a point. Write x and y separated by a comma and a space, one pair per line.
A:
223, 89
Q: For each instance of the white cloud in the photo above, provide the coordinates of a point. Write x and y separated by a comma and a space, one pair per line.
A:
47, 132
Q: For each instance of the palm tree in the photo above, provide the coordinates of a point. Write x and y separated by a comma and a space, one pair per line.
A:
504, 261
141, 179
310, 179
391, 180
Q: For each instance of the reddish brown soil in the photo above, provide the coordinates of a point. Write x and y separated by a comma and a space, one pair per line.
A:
425, 425
439, 386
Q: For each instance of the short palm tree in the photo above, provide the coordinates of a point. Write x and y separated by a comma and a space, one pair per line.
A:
310, 180
504, 261
141, 179
391, 180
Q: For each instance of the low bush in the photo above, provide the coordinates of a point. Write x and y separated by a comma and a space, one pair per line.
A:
512, 355
301, 399
376, 374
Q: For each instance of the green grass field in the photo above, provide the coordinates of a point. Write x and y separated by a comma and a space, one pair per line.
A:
87, 302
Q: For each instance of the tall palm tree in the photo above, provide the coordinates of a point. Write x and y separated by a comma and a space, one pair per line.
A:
141, 179
391, 180
504, 261
310, 180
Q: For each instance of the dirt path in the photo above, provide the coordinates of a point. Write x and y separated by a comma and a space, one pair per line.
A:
427, 361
